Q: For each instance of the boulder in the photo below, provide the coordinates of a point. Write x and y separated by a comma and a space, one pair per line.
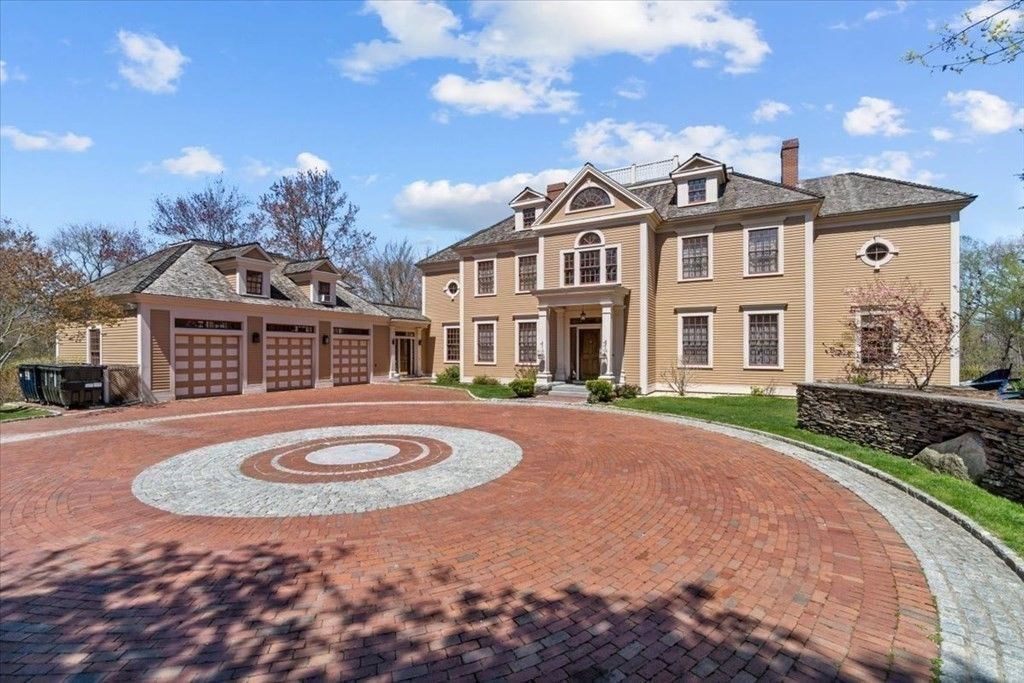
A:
946, 463
970, 449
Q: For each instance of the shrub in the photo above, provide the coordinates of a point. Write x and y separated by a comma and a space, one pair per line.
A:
449, 376
527, 372
523, 388
484, 379
627, 391
600, 391
768, 390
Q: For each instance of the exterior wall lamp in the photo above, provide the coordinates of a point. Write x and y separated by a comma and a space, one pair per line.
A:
255, 337
325, 339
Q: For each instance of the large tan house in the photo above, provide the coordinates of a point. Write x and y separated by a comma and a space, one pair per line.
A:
206, 319
632, 273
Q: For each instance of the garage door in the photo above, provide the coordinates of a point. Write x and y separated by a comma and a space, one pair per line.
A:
351, 361
206, 365
289, 363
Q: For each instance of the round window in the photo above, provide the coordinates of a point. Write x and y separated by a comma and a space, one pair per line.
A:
452, 289
876, 252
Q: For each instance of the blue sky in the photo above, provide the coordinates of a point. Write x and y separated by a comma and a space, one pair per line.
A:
435, 115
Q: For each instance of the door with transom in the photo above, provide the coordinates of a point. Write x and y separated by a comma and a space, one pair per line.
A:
588, 346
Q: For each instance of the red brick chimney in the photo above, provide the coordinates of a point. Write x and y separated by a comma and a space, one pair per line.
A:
790, 157
555, 189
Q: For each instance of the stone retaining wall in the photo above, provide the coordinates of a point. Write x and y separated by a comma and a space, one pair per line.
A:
903, 421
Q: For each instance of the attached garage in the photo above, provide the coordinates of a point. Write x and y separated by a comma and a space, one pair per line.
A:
351, 356
289, 361
206, 364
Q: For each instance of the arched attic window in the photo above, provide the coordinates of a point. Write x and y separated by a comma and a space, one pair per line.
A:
589, 239
590, 198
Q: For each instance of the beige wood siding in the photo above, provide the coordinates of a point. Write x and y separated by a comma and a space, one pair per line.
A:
71, 344
381, 350
924, 256
119, 343
231, 275
728, 292
505, 304
254, 350
160, 350
441, 309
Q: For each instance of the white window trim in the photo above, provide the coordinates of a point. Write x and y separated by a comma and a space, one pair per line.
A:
536, 263
711, 340
476, 342
458, 289
519, 322
88, 344
602, 248
895, 342
862, 253
781, 312
444, 333
243, 272
711, 256
477, 278
600, 235
611, 198
746, 250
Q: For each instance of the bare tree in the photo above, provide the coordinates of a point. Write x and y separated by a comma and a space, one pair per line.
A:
95, 249
215, 213
987, 34
391, 276
677, 378
308, 215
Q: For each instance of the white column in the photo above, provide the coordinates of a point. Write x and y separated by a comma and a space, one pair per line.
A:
561, 342
543, 352
620, 341
607, 343
564, 331
393, 368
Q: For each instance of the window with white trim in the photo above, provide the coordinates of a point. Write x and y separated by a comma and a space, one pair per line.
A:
611, 264
876, 339
764, 339
452, 343
763, 251
452, 289
697, 190
695, 257
485, 338
590, 262
254, 282
569, 269
695, 340
529, 216
485, 277
877, 251
526, 276
590, 267
526, 342
590, 198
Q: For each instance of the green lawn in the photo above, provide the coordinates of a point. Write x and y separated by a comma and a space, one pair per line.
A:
1003, 518
485, 390
21, 413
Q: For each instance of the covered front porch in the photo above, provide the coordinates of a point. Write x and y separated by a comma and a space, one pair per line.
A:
584, 330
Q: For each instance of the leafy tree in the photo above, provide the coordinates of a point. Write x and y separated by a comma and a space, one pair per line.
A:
994, 35
308, 215
95, 249
391, 275
992, 299
215, 213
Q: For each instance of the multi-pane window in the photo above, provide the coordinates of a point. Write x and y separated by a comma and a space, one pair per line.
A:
694, 340
589, 198
569, 269
763, 251
529, 216
94, 346
696, 190
527, 273
323, 290
611, 264
452, 344
254, 282
588, 239
590, 266
485, 343
485, 277
527, 332
877, 343
695, 257
763, 340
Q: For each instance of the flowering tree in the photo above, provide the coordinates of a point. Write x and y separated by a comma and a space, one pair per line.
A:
894, 331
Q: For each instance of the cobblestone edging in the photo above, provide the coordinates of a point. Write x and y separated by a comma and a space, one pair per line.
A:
864, 415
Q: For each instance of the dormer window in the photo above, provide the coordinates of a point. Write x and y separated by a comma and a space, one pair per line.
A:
697, 190
254, 282
323, 290
590, 198
529, 216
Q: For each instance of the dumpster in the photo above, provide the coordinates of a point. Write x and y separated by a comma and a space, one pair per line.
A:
72, 386
28, 378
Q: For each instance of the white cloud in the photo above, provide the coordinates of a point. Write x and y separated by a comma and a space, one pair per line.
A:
889, 164
875, 116
613, 143
702, 63
441, 116
9, 73
504, 96
769, 110
45, 141
306, 161
632, 89
254, 168
3, 71
941, 134
150, 64
1014, 17
881, 12
193, 161
984, 112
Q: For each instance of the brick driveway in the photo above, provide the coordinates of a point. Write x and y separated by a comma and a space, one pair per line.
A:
617, 547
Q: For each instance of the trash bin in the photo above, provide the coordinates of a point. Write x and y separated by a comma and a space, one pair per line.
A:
72, 386
28, 378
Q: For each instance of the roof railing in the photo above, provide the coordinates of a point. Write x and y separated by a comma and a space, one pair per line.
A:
641, 173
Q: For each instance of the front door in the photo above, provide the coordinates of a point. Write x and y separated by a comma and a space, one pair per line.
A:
404, 356
590, 353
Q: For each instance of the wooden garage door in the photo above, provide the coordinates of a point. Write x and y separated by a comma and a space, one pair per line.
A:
289, 363
351, 361
206, 365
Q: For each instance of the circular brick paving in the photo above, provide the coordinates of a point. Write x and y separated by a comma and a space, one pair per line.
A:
616, 547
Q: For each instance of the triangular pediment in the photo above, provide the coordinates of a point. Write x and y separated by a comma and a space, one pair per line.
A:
697, 162
527, 196
569, 206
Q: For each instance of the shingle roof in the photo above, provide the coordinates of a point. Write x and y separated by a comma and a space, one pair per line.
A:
232, 252
853, 192
401, 312
504, 231
303, 266
741, 192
